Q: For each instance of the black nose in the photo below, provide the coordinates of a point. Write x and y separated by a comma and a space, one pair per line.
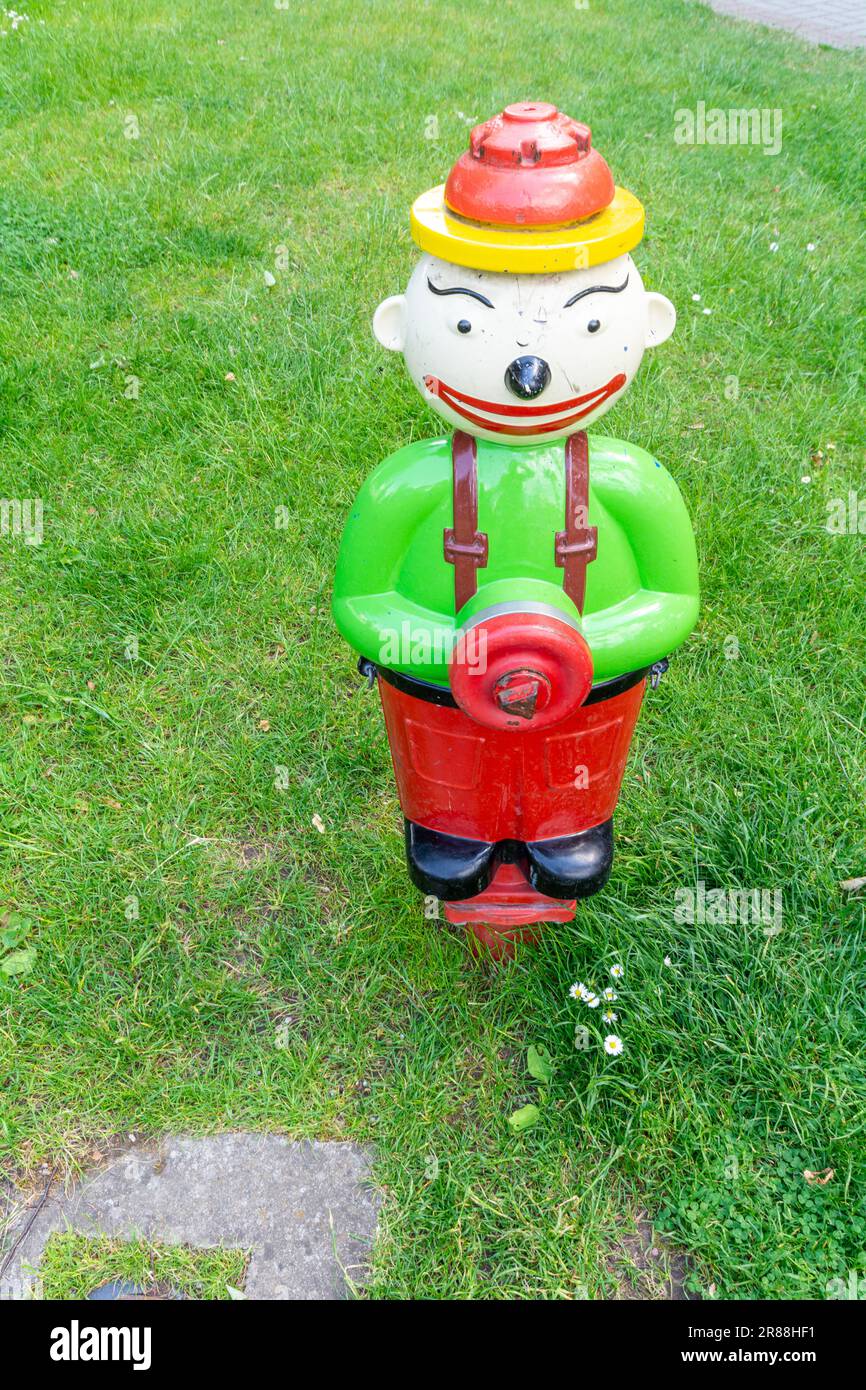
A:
527, 377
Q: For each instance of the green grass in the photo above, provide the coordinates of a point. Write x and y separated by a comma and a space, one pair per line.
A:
186, 915
73, 1266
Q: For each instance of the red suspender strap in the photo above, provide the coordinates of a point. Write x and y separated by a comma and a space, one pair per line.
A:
577, 545
465, 545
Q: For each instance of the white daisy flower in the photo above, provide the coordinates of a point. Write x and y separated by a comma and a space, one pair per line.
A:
617, 972
610, 995
577, 991
609, 1016
591, 1000
613, 1045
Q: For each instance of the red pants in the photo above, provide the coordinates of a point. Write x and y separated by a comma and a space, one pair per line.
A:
458, 777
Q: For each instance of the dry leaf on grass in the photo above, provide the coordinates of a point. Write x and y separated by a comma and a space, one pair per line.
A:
819, 1179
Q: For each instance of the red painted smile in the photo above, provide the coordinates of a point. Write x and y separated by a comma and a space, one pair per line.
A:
578, 407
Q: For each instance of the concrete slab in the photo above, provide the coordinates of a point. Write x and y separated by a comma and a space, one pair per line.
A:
305, 1210
839, 23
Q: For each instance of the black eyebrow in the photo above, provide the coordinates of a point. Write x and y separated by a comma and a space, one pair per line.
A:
458, 290
596, 289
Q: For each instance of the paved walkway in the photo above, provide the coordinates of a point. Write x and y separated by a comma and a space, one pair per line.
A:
305, 1211
841, 23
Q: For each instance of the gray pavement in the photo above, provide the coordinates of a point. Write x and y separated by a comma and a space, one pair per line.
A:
305, 1211
840, 23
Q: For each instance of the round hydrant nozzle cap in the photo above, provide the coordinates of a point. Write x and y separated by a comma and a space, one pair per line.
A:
520, 671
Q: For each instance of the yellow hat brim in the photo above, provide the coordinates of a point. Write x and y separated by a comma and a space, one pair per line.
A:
536, 250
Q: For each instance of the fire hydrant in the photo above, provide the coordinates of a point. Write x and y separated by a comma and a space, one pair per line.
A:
513, 585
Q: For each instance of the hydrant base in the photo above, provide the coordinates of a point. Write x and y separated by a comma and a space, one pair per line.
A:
508, 912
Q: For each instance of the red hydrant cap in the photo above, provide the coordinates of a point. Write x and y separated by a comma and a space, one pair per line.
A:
520, 671
530, 166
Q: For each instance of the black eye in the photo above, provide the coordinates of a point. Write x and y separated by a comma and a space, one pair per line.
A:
593, 326
464, 326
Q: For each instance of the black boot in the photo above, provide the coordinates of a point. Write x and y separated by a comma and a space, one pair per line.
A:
572, 866
448, 866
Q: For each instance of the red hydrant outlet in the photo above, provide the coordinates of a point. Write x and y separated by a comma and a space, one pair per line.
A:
520, 671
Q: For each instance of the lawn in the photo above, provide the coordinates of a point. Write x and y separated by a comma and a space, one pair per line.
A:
177, 707
74, 1266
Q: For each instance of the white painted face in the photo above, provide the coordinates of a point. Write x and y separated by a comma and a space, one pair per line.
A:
523, 358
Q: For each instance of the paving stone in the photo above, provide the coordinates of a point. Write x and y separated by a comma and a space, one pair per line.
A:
840, 23
305, 1210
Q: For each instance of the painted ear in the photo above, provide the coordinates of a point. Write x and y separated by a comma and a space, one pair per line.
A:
661, 319
389, 323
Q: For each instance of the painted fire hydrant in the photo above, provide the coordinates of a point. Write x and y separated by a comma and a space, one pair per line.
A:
512, 586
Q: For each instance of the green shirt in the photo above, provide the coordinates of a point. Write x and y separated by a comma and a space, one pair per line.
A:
394, 590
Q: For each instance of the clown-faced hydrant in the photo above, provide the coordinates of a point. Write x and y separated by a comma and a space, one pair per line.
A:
513, 585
